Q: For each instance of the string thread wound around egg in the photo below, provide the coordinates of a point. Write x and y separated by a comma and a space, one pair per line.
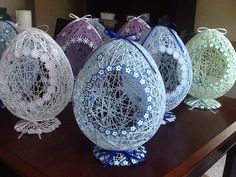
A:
10, 25
169, 26
37, 81
117, 36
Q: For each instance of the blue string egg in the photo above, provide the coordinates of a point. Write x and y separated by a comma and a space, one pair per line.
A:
8, 30
174, 64
119, 98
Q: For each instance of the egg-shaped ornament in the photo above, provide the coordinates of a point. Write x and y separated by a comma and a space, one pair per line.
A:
78, 39
174, 63
99, 28
134, 27
214, 65
119, 101
8, 30
36, 81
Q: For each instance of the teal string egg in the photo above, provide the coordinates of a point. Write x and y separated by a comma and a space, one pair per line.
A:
214, 63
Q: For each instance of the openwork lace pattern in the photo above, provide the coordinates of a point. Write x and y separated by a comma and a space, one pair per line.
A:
78, 39
214, 64
36, 79
173, 61
119, 100
134, 28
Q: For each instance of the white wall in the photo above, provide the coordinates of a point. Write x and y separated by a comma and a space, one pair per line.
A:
218, 13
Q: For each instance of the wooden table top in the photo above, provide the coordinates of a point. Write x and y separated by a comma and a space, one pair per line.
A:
187, 147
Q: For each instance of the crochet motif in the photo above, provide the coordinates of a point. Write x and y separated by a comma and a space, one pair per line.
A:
173, 61
78, 39
119, 99
214, 64
36, 80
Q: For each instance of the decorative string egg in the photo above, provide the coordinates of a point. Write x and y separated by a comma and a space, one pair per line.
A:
174, 64
134, 27
36, 81
119, 101
78, 39
99, 27
214, 64
8, 30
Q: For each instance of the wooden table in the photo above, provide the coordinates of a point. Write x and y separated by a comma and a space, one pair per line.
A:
187, 147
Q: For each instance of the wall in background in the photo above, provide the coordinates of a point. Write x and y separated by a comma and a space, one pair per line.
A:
47, 11
13, 5
218, 13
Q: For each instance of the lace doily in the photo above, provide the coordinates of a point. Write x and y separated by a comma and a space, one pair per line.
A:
214, 64
119, 96
78, 39
36, 80
173, 61
39, 127
134, 28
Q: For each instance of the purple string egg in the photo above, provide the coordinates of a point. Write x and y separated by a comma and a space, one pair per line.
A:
134, 27
78, 39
